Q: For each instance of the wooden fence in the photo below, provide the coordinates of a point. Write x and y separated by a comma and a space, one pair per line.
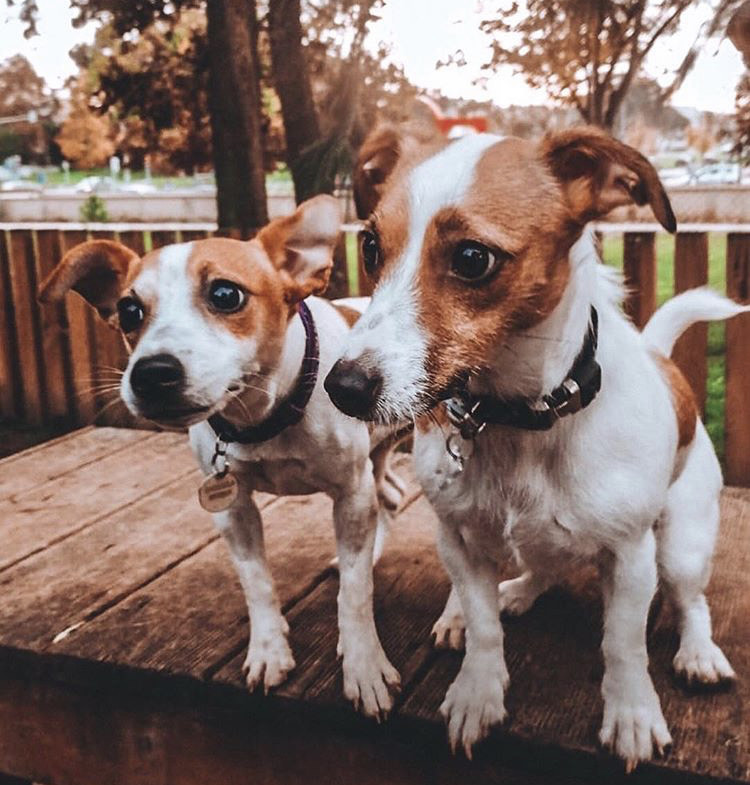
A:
56, 362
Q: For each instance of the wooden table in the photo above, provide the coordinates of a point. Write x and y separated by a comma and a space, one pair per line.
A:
122, 631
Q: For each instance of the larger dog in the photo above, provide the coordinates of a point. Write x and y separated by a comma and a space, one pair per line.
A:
568, 435
227, 341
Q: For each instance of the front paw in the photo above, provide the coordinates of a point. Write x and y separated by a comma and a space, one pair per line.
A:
369, 680
634, 725
702, 663
474, 703
449, 631
268, 662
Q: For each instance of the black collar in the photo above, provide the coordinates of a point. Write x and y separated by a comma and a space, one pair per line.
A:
470, 413
290, 410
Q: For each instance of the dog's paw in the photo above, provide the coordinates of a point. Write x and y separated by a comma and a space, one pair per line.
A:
268, 662
516, 596
702, 663
449, 631
369, 682
633, 726
473, 704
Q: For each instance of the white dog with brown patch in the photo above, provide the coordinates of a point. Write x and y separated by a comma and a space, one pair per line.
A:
225, 342
567, 436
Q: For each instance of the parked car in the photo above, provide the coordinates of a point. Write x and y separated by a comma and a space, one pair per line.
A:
710, 174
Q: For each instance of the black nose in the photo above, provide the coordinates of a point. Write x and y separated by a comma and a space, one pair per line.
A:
160, 374
353, 388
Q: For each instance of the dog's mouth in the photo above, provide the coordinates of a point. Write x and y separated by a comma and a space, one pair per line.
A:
175, 416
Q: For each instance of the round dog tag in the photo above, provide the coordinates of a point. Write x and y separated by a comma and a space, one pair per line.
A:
218, 492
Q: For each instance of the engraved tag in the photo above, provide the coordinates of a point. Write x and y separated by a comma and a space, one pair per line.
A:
218, 492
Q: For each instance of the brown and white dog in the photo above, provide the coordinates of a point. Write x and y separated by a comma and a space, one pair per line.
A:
214, 327
490, 294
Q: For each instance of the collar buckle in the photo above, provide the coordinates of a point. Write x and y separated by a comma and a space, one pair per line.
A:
572, 402
464, 417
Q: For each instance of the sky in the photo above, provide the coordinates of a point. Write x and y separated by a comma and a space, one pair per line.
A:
419, 33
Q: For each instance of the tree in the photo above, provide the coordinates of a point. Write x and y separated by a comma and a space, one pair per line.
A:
588, 53
86, 138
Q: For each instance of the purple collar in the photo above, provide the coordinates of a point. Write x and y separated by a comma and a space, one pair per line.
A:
290, 411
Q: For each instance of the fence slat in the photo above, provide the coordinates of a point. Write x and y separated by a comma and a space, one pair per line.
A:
691, 270
639, 266
188, 235
160, 239
81, 341
23, 286
133, 240
10, 380
737, 415
54, 334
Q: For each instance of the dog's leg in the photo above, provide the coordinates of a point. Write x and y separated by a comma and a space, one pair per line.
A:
475, 701
633, 721
686, 537
389, 485
517, 595
269, 658
368, 675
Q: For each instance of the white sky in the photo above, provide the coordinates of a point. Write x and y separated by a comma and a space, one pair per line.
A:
420, 32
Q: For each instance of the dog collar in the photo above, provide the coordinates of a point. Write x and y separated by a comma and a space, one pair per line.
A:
290, 411
471, 413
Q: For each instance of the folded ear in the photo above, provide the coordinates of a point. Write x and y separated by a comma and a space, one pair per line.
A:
97, 270
301, 245
598, 173
378, 156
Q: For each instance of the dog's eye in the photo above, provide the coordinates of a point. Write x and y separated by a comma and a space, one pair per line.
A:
473, 261
226, 296
131, 314
370, 249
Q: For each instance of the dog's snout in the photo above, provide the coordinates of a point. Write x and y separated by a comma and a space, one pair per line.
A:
354, 388
158, 374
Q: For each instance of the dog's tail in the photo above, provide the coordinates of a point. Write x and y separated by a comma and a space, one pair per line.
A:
677, 314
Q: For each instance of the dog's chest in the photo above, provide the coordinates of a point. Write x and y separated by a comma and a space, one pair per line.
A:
289, 476
508, 498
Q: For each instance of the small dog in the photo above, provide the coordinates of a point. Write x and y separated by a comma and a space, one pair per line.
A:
570, 436
225, 342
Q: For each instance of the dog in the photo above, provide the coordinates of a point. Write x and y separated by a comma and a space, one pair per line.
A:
558, 433
226, 338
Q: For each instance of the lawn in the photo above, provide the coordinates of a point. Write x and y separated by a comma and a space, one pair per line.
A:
717, 245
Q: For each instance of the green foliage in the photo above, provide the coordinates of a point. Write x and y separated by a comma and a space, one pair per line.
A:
94, 210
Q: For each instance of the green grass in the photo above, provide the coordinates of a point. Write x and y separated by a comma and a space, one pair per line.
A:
717, 242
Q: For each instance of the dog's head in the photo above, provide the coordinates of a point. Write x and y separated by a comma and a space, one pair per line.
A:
468, 244
206, 319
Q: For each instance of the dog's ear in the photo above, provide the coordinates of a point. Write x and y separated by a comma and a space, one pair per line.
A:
301, 245
379, 154
598, 173
97, 270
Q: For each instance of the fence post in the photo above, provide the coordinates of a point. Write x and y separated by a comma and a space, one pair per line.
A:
737, 416
691, 270
639, 266
10, 380
23, 286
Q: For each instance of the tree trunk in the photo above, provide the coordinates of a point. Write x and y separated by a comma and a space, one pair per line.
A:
292, 81
235, 108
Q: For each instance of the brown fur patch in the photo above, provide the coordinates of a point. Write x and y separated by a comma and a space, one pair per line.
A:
683, 399
351, 315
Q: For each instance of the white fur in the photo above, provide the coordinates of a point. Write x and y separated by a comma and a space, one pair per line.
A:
607, 485
390, 330
326, 451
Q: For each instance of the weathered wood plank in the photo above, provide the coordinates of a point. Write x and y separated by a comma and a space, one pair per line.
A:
133, 240
46, 462
555, 668
23, 286
639, 266
691, 270
81, 333
10, 379
31, 520
737, 452
161, 238
299, 544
